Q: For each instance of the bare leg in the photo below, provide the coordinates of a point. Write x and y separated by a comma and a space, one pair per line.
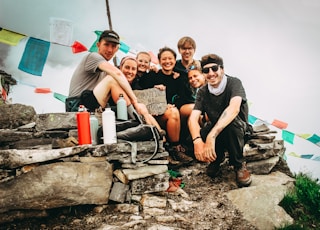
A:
171, 119
102, 91
185, 112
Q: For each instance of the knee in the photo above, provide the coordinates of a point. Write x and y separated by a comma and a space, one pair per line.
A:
174, 113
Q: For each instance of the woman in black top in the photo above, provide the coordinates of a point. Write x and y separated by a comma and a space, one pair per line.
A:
168, 80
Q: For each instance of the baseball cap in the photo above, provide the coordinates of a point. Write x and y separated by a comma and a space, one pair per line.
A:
110, 36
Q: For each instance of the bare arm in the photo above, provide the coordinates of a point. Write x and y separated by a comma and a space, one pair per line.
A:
206, 151
120, 78
193, 123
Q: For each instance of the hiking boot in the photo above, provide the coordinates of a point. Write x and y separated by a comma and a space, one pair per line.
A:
179, 153
243, 176
214, 167
172, 161
173, 164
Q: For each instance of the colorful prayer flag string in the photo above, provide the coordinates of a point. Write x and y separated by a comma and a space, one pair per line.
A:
286, 135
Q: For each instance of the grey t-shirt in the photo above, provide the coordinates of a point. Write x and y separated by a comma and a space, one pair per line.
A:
87, 75
213, 105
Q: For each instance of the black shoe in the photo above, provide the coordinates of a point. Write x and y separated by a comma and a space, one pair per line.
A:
214, 167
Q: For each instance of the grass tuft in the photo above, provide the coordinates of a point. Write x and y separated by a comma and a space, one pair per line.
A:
302, 203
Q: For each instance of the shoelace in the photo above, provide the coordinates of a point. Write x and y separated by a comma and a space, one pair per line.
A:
180, 148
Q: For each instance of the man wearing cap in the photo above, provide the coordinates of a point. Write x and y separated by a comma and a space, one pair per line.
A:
224, 102
95, 79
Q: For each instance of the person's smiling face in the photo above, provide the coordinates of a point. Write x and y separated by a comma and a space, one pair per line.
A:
107, 49
167, 61
196, 78
129, 69
213, 74
187, 52
143, 62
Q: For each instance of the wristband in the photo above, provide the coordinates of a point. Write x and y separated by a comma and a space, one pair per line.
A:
195, 138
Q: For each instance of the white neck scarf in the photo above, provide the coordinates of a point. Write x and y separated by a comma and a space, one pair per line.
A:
219, 90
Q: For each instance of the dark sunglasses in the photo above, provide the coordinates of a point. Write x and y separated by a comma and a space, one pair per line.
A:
192, 67
213, 68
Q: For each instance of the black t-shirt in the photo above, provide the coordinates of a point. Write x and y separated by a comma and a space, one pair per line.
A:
179, 91
213, 105
173, 86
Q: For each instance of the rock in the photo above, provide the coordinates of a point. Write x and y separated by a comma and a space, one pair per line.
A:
259, 202
153, 201
119, 192
262, 167
154, 99
54, 121
15, 115
57, 185
142, 172
151, 184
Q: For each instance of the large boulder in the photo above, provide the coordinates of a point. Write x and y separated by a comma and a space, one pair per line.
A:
15, 115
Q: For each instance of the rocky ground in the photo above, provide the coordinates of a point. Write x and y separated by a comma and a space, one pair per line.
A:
209, 208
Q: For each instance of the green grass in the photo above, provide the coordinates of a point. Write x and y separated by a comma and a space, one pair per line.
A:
303, 204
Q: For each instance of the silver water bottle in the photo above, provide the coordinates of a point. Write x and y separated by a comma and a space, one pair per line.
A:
122, 111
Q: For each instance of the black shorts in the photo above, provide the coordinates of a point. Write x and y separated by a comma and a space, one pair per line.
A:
89, 100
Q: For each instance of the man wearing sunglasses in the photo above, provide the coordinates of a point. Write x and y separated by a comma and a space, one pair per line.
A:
224, 102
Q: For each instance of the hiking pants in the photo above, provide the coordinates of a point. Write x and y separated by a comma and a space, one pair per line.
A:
231, 139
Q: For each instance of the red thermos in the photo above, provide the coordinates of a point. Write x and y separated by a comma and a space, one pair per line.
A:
83, 124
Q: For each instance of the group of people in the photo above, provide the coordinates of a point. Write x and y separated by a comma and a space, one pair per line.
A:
207, 110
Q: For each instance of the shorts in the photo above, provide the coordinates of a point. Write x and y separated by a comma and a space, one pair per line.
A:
89, 100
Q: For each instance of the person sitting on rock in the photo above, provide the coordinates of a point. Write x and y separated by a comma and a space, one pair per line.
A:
95, 80
224, 102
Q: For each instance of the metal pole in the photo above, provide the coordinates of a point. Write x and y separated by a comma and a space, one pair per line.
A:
110, 27
108, 14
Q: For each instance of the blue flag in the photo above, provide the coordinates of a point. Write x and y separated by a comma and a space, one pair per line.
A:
34, 56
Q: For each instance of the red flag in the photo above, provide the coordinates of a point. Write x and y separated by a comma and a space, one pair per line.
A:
154, 59
279, 124
42, 90
77, 47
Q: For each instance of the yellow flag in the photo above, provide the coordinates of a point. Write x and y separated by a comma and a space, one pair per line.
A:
10, 38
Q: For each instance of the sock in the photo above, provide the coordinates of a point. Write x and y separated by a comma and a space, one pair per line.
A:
133, 114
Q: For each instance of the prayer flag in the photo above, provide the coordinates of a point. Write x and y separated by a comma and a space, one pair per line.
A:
287, 136
60, 97
317, 158
293, 154
304, 135
314, 139
154, 59
306, 156
124, 47
34, 56
279, 124
42, 90
10, 38
61, 31
252, 119
77, 47
94, 47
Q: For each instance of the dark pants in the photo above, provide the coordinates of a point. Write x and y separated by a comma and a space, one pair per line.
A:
232, 139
